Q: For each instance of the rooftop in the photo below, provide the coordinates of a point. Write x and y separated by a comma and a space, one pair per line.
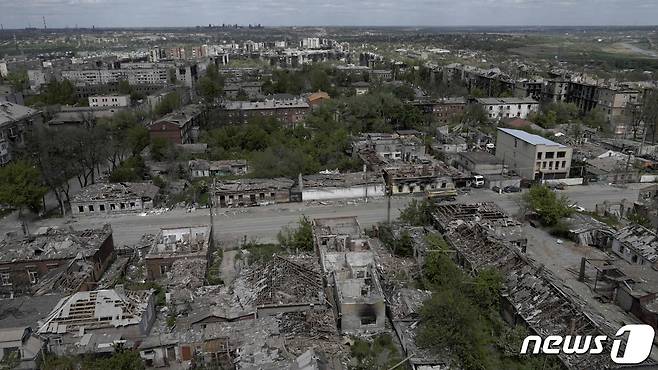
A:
267, 104
342, 179
182, 116
641, 240
95, 310
530, 138
26, 310
10, 112
116, 191
244, 185
497, 101
54, 243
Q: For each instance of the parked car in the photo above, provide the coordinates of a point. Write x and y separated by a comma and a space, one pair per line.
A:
511, 189
577, 207
558, 186
496, 189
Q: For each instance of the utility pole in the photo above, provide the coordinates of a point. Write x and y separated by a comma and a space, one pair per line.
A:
44, 23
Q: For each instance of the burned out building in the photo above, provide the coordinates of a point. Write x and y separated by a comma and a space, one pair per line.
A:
178, 243
69, 260
291, 112
390, 147
106, 317
204, 168
442, 110
252, 192
349, 267
410, 179
178, 127
114, 198
15, 120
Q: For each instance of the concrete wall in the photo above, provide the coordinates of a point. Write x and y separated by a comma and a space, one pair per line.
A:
570, 181
110, 206
649, 178
377, 190
352, 313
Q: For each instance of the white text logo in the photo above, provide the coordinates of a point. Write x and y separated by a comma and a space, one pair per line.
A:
638, 345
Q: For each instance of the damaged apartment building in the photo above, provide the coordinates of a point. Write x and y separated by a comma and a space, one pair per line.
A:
97, 321
54, 260
114, 198
349, 267
252, 192
192, 244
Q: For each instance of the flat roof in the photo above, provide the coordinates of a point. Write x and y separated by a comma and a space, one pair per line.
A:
530, 138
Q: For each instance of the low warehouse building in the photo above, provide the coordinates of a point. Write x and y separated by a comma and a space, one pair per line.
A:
120, 198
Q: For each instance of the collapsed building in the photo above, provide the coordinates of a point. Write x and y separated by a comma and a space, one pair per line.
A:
487, 214
189, 243
252, 192
292, 341
349, 267
55, 260
531, 294
114, 198
101, 317
636, 245
268, 317
388, 147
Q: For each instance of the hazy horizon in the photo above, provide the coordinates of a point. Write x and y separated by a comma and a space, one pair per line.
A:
291, 13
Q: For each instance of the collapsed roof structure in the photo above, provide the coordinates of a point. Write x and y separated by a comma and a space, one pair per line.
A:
531, 292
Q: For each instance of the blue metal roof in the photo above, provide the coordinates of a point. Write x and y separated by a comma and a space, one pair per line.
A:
530, 138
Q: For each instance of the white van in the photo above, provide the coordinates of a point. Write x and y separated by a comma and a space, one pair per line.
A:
478, 181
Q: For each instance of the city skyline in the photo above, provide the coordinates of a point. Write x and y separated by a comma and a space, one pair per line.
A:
123, 13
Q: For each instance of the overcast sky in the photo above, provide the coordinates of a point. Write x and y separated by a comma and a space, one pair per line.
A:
135, 13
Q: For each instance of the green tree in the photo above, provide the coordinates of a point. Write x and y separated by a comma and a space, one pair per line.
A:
21, 186
168, 104
18, 80
548, 204
161, 149
211, 85
417, 213
300, 238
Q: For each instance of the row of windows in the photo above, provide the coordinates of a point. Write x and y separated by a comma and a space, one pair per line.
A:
500, 107
101, 207
421, 187
551, 155
5, 277
241, 196
550, 165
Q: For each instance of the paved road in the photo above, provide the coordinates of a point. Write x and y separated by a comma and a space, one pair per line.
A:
263, 223
230, 225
